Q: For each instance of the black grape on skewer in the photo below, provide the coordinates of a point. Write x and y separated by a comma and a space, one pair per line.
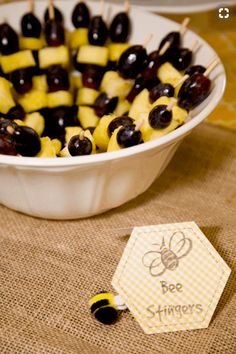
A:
9, 41
81, 15
80, 145
123, 121
131, 61
54, 30
160, 116
92, 76
138, 86
58, 14
162, 89
120, 26
182, 57
104, 105
151, 65
16, 112
30, 24
57, 78
196, 88
22, 80
98, 32
195, 69
129, 136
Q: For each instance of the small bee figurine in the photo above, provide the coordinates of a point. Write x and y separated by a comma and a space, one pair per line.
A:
164, 258
105, 307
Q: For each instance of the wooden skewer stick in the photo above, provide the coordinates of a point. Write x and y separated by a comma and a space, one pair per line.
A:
2, 20
51, 10
102, 3
164, 48
195, 46
184, 25
180, 81
211, 61
81, 135
139, 124
173, 101
147, 40
211, 67
10, 130
127, 6
31, 6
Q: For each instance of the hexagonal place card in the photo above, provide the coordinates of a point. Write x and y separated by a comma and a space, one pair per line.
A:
170, 277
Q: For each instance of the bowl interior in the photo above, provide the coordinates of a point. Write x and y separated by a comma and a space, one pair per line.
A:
143, 23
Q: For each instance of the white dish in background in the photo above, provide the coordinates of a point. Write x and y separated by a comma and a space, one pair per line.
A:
68, 188
180, 6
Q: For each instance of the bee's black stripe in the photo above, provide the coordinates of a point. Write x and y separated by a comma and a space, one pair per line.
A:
98, 304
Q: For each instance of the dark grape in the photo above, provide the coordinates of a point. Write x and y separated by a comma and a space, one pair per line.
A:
78, 66
92, 76
173, 38
194, 91
7, 127
54, 33
16, 112
7, 146
57, 78
98, 32
79, 146
152, 64
27, 141
160, 117
131, 61
128, 136
123, 121
22, 80
152, 82
105, 105
111, 66
181, 58
161, 90
30, 26
58, 15
120, 28
138, 86
195, 69
81, 15
9, 42
91, 129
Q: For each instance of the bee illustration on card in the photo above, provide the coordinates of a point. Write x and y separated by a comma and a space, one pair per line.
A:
166, 256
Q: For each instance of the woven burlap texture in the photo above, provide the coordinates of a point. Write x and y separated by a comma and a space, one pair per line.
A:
50, 269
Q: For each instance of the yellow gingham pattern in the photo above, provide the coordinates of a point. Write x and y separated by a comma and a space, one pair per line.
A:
202, 273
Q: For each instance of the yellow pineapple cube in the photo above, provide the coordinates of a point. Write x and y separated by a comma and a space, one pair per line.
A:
57, 145
114, 85
64, 152
100, 133
140, 105
40, 83
76, 81
122, 107
33, 101
19, 60
59, 98
54, 56
47, 148
6, 98
87, 117
78, 38
32, 43
86, 96
92, 54
168, 74
116, 49
35, 121
113, 144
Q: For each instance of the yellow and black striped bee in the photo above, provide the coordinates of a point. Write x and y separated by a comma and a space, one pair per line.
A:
105, 307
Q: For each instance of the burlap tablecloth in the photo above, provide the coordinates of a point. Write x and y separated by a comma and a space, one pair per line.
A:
50, 269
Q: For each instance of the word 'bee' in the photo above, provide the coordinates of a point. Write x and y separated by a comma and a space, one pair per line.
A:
158, 261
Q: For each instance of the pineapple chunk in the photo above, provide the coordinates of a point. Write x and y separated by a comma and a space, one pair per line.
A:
140, 105
76, 81
71, 131
6, 99
86, 96
19, 60
40, 83
64, 152
179, 117
59, 98
33, 101
54, 56
57, 145
100, 133
122, 107
35, 121
19, 122
31, 43
113, 144
114, 85
87, 117
116, 49
92, 54
47, 148
78, 38
168, 74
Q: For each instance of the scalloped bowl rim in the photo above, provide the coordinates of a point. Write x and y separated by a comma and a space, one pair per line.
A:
107, 156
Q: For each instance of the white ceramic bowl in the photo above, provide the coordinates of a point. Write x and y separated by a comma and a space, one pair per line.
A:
68, 188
